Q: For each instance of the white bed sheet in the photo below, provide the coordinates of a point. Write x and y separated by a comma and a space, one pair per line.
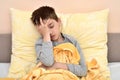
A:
4, 67
114, 70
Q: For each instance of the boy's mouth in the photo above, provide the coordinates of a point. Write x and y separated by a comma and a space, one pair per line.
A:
52, 36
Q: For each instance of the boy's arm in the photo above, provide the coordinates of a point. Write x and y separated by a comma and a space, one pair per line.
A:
81, 69
44, 52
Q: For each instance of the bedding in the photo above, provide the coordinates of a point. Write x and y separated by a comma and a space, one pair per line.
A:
66, 53
113, 66
90, 29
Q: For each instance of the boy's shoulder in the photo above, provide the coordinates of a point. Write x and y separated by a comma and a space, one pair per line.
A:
69, 37
39, 40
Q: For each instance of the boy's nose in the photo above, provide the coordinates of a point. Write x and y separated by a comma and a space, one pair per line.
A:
50, 32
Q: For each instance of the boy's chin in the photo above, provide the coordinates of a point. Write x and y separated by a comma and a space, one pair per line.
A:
54, 39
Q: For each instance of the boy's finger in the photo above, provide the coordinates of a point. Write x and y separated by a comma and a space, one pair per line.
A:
48, 21
41, 21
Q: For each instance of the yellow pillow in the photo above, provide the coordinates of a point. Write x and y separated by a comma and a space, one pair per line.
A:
90, 29
24, 36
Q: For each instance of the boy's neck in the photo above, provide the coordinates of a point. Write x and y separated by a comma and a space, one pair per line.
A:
60, 39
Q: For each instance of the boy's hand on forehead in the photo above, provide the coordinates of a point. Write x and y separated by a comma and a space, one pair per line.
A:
44, 30
44, 23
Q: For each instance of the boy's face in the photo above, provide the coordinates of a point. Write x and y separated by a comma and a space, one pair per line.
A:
54, 28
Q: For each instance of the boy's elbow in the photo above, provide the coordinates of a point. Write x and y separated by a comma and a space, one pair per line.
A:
49, 62
84, 72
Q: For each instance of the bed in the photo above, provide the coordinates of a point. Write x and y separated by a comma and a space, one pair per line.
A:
113, 55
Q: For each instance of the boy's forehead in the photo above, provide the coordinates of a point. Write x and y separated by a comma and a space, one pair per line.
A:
46, 20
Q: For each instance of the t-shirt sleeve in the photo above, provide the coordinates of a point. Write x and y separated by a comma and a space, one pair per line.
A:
81, 69
44, 51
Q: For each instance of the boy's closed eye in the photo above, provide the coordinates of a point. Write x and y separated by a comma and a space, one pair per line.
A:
51, 25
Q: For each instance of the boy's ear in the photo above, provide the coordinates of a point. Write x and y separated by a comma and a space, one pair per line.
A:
59, 20
60, 23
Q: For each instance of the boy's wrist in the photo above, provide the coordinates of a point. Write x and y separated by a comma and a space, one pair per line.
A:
46, 38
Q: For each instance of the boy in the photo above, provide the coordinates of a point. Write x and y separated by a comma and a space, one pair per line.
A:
48, 25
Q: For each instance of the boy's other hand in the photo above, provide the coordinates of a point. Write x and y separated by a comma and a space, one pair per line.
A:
58, 65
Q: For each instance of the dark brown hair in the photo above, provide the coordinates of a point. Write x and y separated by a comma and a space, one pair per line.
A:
44, 12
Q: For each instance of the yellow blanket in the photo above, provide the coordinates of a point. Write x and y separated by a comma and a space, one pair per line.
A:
65, 53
